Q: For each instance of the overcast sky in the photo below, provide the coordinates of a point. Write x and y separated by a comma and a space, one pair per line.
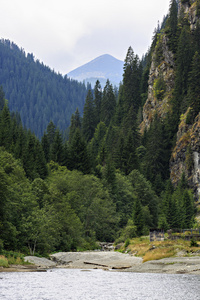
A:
67, 34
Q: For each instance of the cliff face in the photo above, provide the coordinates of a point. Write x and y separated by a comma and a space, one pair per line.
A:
189, 9
186, 154
160, 84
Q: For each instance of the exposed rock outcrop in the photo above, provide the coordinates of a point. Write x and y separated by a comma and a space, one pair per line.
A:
160, 84
189, 9
186, 154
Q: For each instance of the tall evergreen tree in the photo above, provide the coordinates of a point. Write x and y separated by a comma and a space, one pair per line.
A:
2, 98
172, 23
75, 123
57, 150
108, 103
138, 217
5, 128
183, 62
194, 85
97, 101
79, 158
131, 82
88, 124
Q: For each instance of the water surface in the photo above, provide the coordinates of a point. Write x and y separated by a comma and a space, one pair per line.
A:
64, 284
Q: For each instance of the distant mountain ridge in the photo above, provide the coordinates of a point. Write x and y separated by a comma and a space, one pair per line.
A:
102, 68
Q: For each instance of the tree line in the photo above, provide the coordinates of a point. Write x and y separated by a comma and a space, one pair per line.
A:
105, 182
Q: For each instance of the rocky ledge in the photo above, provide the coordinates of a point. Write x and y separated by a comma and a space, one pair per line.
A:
112, 261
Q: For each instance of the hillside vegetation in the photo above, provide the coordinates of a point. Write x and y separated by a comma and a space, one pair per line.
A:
111, 179
37, 92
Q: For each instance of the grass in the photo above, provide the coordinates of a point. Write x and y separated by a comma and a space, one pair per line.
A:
3, 261
142, 247
8, 258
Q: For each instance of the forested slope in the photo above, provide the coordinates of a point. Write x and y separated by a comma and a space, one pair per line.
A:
36, 92
112, 179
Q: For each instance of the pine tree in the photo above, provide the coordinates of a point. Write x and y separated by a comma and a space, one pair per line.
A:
40, 166
2, 98
75, 123
154, 158
51, 129
28, 157
194, 85
5, 128
172, 23
131, 82
79, 158
88, 124
183, 62
46, 147
129, 157
189, 209
108, 103
138, 217
57, 151
97, 101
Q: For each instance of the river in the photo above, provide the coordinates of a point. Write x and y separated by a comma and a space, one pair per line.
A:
73, 284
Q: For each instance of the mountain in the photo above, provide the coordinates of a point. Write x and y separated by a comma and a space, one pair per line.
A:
102, 68
36, 92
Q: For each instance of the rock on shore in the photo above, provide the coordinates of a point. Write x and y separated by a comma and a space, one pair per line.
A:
171, 265
92, 259
110, 261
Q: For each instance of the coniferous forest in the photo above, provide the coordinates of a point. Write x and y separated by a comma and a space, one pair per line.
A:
109, 180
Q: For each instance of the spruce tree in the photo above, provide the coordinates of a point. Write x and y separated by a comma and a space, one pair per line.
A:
183, 65
172, 24
5, 128
46, 147
97, 101
88, 124
131, 82
138, 217
75, 123
57, 151
2, 98
108, 103
79, 158
194, 85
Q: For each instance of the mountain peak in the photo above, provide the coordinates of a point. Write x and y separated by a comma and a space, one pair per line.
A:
102, 68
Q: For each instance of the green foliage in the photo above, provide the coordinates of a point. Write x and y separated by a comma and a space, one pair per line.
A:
127, 243
159, 88
38, 93
105, 181
193, 243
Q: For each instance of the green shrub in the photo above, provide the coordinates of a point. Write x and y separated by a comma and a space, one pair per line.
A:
159, 88
193, 243
3, 261
127, 243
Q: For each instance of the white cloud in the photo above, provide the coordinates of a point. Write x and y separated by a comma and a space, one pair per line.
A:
65, 34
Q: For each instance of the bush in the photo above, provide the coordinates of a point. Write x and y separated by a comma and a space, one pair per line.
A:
3, 261
127, 243
159, 88
193, 243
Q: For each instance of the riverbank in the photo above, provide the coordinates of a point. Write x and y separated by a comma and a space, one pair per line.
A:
139, 255
112, 261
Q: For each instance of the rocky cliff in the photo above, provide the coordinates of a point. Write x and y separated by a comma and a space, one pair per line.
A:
160, 84
189, 9
186, 154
